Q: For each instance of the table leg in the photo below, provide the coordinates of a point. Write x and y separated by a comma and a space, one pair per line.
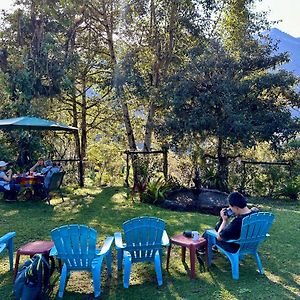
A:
168, 256
16, 265
183, 251
192, 261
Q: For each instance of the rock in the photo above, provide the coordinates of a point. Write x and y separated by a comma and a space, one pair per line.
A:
204, 200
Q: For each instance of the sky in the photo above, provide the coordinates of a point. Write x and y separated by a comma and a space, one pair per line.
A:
286, 10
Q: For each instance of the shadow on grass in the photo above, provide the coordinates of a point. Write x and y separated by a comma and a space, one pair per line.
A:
107, 209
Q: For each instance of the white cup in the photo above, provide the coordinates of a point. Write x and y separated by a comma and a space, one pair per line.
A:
195, 235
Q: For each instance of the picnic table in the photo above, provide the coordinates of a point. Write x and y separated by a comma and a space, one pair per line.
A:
28, 182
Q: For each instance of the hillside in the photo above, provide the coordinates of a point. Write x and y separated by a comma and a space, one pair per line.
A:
291, 45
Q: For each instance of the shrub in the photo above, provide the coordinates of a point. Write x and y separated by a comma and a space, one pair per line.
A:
156, 189
291, 189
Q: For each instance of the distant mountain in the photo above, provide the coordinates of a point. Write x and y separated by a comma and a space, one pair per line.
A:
291, 45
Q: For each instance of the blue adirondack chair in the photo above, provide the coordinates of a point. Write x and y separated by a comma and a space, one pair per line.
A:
144, 237
7, 241
75, 245
255, 228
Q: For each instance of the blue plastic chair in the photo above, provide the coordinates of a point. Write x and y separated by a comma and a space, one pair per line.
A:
7, 241
75, 245
144, 237
255, 228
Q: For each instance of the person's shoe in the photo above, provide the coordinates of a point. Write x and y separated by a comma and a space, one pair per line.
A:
214, 248
201, 251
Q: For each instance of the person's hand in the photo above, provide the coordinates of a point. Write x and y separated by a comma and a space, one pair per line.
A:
9, 172
223, 215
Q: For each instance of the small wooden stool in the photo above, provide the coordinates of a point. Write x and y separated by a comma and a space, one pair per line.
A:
32, 248
185, 242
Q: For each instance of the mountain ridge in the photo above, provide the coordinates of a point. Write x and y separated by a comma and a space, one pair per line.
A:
290, 44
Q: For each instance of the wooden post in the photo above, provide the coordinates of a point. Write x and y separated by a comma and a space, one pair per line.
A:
165, 158
243, 183
127, 169
80, 169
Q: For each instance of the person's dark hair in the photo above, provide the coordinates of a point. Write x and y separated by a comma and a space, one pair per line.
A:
237, 199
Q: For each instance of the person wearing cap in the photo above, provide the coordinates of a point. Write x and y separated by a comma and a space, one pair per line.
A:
10, 189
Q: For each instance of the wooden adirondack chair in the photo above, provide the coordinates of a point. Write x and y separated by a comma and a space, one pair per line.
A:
255, 228
144, 237
75, 245
7, 242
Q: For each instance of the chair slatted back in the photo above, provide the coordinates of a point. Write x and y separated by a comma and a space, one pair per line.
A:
254, 230
143, 237
56, 181
76, 245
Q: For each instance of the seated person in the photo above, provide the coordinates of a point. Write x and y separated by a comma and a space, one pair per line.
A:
38, 166
48, 170
232, 230
9, 188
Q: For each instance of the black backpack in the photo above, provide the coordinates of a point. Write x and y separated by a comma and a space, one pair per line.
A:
32, 280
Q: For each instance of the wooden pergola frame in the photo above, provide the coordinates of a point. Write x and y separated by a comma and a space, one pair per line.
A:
164, 152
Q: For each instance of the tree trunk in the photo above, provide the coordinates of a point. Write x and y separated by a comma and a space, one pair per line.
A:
108, 25
77, 140
83, 120
222, 173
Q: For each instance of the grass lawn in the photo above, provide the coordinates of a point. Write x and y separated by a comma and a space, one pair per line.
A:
106, 210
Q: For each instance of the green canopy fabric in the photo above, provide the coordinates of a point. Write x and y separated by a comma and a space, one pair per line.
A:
32, 123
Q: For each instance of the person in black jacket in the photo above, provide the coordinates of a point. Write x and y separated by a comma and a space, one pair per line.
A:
232, 230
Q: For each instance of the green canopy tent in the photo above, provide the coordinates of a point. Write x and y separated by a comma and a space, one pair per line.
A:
33, 123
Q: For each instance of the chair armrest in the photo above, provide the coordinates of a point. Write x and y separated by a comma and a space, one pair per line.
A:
2, 247
165, 241
7, 237
53, 251
212, 232
232, 241
107, 245
118, 241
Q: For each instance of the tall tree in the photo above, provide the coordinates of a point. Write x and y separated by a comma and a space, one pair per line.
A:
238, 102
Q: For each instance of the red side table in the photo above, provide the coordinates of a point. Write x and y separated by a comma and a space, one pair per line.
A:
32, 248
185, 242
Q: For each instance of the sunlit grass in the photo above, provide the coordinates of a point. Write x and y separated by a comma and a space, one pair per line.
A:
106, 210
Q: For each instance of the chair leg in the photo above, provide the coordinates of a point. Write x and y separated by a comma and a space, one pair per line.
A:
61, 194
157, 264
96, 273
211, 241
120, 259
259, 264
127, 269
234, 260
62, 284
108, 262
16, 265
10, 247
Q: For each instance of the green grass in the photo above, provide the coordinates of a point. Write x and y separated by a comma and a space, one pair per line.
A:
108, 208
